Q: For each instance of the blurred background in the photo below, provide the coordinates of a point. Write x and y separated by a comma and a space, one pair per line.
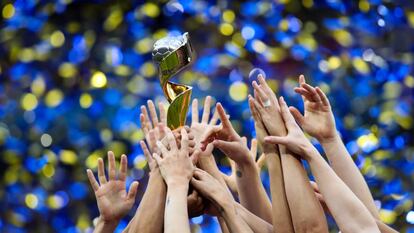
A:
74, 73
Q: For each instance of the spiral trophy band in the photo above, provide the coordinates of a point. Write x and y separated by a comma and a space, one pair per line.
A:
172, 54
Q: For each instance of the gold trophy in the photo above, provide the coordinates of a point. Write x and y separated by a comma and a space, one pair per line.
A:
172, 54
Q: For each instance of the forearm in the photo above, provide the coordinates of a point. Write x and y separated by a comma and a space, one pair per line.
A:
255, 223
105, 227
348, 211
209, 165
233, 219
149, 216
223, 226
306, 211
251, 191
281, 214
176, 215
348, 172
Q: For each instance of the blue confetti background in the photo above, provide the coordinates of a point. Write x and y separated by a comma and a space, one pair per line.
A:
74, 73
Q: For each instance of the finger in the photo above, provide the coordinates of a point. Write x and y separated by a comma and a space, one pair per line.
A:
184, 140
161, 130
297, 115
276, 140
146, 116
196, 184
244, 141
191, 143
123, 168
163, 114
301, 79
215, 118
253, 109
152, 141
266, 87
310, 89
143, 124
223, 117
304, 93
253, 148
171, 140
194, 156
262, 95
101, 172
92, 180
223, 145
153, 112
261, 161
111, 166
133, 189
323, 97
206, 110
162, 148
287, 116
157, 158
194, 111
257, 105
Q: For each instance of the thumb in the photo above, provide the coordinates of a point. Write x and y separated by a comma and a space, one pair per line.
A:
276, 140
297, 115
133, 190
223, 145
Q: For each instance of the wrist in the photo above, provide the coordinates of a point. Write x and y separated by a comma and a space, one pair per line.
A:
331, 139
310, 152
177, 183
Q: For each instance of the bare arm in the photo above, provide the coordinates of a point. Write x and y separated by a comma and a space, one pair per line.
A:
176, 168
319, 122
210, 188
149, 216
250, 189
257, 224
306, 212
349, 212
280, 209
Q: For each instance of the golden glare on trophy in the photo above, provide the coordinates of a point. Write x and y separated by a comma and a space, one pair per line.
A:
172, 54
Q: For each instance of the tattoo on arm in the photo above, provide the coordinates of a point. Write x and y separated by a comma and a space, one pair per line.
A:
239, 173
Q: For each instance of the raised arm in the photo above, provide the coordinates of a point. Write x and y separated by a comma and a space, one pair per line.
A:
210, 188
306, 213
111, 196
251, 192
176, 168
282, 221
150, 214
348, 211
319, 122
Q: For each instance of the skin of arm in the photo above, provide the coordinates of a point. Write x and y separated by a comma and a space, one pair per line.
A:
348, 211
319, 122
149, 216
280, 209
176, 168
306, 213
251, 192
211, 189
111, 196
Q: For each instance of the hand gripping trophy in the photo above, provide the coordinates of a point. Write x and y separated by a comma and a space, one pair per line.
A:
172, 54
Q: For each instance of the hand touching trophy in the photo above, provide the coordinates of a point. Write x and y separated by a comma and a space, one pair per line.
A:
172, 54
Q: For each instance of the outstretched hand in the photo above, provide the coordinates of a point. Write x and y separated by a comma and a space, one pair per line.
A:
113, 200
295, 140
318, 120
175, 162
225, 138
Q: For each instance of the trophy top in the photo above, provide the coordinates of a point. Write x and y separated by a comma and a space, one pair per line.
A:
168, 45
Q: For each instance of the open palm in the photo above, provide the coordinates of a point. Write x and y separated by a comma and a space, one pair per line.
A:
111, 196
318, 120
